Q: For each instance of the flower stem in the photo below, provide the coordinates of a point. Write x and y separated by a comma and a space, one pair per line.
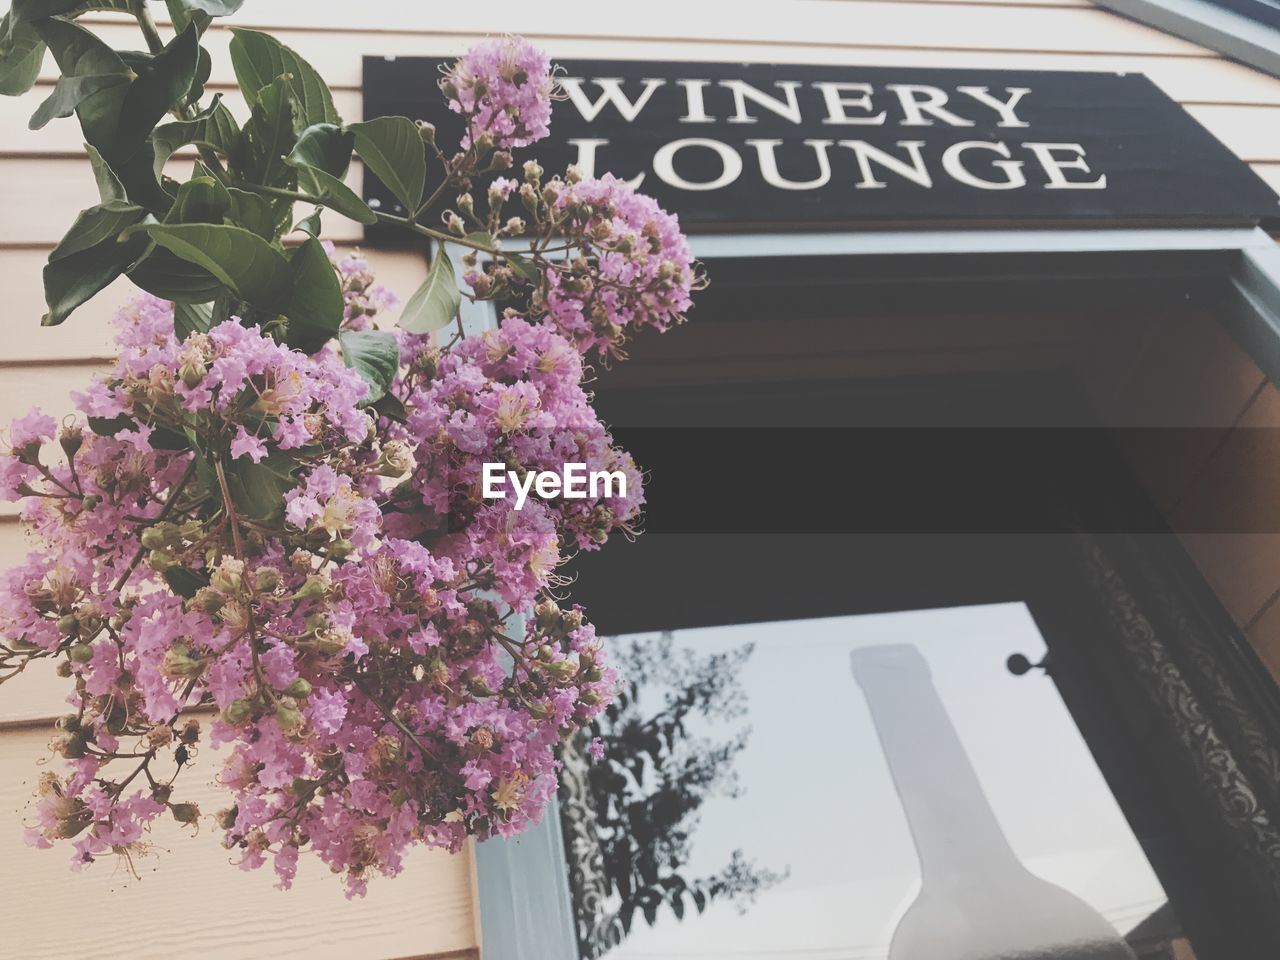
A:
406, 222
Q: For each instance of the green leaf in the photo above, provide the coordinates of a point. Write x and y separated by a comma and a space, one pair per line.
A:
241, 260
216, 8
435, 303
201, 12
159, 85
200, 200
324, 146
253, 212
90, 257
26, 10
204, 69
335, 195
322, 156
392, 149
184, 12
189, 318
68, 93
375, 355
78, 51
164, 274
258, 59
215, 127
315, 302
142, 182
270, 134
110, 426
21, 54
258, 489
104, 222
389, 406
184, 581
109, 185
81, 54
523, 266
310, 224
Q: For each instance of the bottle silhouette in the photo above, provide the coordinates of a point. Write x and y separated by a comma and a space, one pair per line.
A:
976, 901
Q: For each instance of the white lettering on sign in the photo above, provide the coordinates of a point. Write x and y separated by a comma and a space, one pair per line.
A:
610, 95
708, 163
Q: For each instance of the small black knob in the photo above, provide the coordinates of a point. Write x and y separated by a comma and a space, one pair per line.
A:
1019, 665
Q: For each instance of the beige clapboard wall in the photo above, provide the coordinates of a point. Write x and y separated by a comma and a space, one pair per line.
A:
190, 901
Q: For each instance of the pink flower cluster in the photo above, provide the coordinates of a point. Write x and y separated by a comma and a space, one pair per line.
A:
503, 87
369, 693
633, 268
233, 527
615, 261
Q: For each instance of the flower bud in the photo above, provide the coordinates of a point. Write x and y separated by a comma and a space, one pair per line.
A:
28, 454
227, 577
185, 812
159, 561
266, 579
547, 614
237, 712
153, 539
160, 735
562, 670
68, 745
191, 373
71, 439
208, 600
190, 732
427, 131
226, 817
178, 663
313, 588
68, 624
299, 688
532, 171
80, 653
289, 718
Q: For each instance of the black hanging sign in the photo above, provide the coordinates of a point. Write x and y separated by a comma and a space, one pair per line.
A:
763, 144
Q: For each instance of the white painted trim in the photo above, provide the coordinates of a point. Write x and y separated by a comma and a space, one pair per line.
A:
1229, 33
926, 242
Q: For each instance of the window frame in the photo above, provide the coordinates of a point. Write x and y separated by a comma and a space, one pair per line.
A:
522, 883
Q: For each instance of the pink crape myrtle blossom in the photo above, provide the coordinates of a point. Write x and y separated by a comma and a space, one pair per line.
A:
504, 88
360, 650
234, 526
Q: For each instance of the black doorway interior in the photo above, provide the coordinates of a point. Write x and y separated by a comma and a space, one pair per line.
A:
1179, 715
